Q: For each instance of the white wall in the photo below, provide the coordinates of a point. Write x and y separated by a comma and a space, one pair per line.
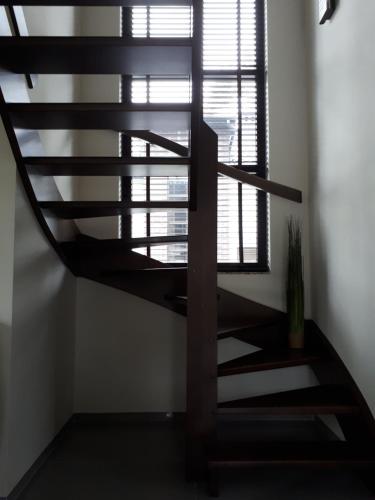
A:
42, 346
37, 321
130, 354
7, 223
343, 184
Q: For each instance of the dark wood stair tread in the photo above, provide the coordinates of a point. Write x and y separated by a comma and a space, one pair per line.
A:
102, 166
268, 360
92, 209
104, 3
308, 454
240, 314
83, 246
100, 116
226, 330
96, 55
319, 400
93, 263
256, 324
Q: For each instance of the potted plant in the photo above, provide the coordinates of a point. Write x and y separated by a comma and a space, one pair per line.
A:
295, 286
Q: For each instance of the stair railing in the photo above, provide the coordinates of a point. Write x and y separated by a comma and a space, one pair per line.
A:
202, 293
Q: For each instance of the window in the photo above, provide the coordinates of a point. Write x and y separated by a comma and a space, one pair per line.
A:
234, 106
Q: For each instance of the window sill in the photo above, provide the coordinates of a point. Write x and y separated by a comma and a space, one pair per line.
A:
233, 268
243, 269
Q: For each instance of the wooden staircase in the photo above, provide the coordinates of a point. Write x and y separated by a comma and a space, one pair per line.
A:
213, 314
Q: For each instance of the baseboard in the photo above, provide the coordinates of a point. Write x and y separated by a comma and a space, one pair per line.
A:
127, 418
37, 465
265, 418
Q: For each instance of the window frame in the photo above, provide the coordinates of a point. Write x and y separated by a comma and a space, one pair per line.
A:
261, 169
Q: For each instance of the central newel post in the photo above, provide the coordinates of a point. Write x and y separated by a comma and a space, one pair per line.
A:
202, 308
202, 270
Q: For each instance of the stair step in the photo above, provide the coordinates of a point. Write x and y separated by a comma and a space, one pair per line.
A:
93, 262
256, 333
237, 312
96, 55
90, 209
118, 245
267, 360
319, 400
321, 454
182, 299
260, 328
102, 166
100, 116
104, 3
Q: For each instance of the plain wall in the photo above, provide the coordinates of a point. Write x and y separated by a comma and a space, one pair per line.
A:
42, 344
130, 354
342, 184
7, 227
37, 313
37, 322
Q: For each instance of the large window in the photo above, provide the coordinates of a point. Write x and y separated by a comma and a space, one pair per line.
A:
234, 106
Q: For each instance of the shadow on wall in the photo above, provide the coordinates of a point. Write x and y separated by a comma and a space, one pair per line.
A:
130, 354
5, 340
42, 345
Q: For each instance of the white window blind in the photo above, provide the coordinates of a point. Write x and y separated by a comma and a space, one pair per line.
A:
229, 34
161, 22
230, 108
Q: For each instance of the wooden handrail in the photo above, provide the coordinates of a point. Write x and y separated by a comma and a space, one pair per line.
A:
158, 140
259, 183
237, 174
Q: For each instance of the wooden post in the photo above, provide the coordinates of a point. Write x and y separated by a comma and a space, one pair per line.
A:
197, 100
202, 307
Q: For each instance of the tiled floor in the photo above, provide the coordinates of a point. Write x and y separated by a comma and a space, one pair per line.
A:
145, 462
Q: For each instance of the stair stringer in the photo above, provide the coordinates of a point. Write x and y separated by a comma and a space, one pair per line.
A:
26, 142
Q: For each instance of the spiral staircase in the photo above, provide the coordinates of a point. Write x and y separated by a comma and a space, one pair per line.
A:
213, 314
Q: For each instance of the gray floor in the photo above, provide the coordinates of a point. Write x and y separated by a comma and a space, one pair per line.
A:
145, 462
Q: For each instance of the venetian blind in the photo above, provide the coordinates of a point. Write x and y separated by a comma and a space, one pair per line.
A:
230, 108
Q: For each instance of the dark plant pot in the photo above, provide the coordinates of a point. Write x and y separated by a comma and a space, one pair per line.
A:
296, 340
